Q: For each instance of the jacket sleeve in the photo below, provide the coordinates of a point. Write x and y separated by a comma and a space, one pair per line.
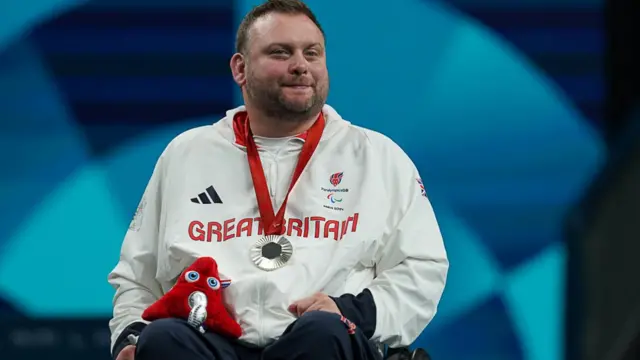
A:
134, 276
411, 262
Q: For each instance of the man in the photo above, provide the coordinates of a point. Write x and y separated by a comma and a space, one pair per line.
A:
323, 227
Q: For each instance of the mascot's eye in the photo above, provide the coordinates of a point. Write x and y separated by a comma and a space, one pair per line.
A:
213, 283
192, 276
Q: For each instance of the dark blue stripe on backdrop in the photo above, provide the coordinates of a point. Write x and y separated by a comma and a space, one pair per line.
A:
123, 18
135, 41
146, 89
133, 66
565, 39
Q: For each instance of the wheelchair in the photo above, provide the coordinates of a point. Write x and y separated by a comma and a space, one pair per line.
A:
405, 354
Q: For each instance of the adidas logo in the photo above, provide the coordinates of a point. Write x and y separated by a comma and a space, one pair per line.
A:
208, 197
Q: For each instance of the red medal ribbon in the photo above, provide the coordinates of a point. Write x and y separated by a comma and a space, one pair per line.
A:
273, 224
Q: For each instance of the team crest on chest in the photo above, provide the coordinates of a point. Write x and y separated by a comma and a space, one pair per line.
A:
336, 178
334, 195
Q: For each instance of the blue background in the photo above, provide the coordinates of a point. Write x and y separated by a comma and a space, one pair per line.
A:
498, 102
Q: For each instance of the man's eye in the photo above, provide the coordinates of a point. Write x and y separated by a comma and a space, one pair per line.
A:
278, 52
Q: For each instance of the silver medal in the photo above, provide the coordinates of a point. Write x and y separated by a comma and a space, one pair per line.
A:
271, 252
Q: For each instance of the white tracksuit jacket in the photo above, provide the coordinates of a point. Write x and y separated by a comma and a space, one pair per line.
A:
375, 229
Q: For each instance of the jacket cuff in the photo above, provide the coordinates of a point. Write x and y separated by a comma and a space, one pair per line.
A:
360, 309
123, 339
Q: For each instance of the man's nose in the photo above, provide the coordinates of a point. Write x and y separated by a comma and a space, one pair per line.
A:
299, 65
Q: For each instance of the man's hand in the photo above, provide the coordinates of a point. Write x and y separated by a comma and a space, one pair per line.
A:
318, 301
128, 353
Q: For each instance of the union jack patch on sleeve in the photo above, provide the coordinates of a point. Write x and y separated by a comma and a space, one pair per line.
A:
423, 192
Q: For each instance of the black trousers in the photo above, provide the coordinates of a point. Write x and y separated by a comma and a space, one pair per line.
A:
315, 335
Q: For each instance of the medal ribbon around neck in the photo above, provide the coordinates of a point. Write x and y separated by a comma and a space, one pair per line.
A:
273, 224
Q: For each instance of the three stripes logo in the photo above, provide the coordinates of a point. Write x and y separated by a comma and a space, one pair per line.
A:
210, 196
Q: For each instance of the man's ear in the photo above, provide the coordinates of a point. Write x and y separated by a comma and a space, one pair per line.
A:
238, 69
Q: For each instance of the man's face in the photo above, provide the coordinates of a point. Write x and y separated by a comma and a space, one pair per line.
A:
286, 69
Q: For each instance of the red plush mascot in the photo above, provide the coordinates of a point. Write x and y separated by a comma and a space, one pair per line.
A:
197, 298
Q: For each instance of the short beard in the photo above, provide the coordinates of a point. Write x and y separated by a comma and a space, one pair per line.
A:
272, 103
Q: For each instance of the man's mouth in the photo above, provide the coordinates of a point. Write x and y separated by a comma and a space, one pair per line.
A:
297, 86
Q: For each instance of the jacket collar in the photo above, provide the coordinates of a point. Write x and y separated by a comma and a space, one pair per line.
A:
231, 128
